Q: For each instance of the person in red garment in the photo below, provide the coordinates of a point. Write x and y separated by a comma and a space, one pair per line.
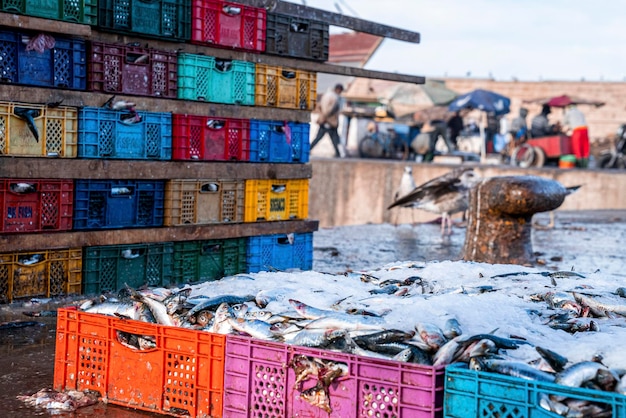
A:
574, 124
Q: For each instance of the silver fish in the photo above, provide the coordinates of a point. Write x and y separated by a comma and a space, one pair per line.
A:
452, 328
431, 334
349, 322
314, 338
157, 309
600, 308
254, 328
511, 368
130, 310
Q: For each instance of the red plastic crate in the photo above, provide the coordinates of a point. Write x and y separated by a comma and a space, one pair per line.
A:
132, 70
29, 205
227, 24
182, 376
259, 382
210, 139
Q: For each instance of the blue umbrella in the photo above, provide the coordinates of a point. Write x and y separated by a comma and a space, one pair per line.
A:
482, 100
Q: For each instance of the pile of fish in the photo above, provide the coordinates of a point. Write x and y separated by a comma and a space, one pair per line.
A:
432, 314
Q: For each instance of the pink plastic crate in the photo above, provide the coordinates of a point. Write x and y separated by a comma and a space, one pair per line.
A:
259, 383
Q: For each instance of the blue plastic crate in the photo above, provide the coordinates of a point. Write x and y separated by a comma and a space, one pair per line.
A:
165, 19
279, 142
269, 252
213, 80
470, 393
103, 204
63, 66
106, 133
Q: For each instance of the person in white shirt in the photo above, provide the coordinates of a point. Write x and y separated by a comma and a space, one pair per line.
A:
328, 120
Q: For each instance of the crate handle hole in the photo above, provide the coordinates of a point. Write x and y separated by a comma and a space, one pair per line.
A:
129, 253
223, 65
286, 240
23, 188
202, 98
299, 27
136, 342
121, 191
210, 188
231, 10
211, 249
289, 74
30, 259
137, 59
279, 188
215, 124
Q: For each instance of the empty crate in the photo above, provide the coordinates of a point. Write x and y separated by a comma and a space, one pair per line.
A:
32, 130
101, 204
166, 19
109, 268
215, 80
280, 252
257, 377
75, 11
204, 201
297, 37
45, 273
106, 133
132, 70
226, 24
64, 65
182, 375
279, 142
200, 261
36, 205
285, 87
207, 138
276, 200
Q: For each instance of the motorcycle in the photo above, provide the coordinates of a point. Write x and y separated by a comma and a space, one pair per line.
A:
385, 138
615, 157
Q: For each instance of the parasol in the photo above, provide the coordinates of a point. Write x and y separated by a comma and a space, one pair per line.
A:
564, 100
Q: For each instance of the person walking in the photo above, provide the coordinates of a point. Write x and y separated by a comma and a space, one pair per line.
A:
328, 119
455, 126
574, 124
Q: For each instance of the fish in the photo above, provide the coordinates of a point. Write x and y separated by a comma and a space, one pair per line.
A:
579, 373
158, 309
254, 327
221, 325
317, 396
345, 321
308, 311
23, 188
211, 303
511, 368
314, 338
555, 360
28, 115
129, 310
431, 334
382, 337
304, 367
598, 307
452, 328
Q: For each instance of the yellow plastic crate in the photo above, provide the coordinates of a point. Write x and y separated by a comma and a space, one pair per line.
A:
203, 201
285, 87
42, 273
56, 130
276, 200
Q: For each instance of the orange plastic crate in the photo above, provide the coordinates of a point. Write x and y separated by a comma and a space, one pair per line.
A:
285, 87
42, 273
182, 376
276, 200
203, 201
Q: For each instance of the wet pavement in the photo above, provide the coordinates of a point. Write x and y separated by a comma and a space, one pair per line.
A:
584, 240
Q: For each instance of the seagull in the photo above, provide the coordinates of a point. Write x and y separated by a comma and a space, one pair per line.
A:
550, 224
407, 184
445, 195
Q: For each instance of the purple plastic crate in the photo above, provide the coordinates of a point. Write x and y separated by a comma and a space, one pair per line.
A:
259, 382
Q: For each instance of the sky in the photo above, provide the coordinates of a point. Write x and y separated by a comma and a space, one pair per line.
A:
528, 40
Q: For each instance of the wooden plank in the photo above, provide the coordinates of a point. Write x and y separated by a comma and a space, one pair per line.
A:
45, 25
318, 67
75, 239
70, 168
335, 19
30, 94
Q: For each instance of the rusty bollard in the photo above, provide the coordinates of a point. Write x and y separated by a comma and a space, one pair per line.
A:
501, 210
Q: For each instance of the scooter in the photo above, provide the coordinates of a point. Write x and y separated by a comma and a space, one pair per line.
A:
616, 156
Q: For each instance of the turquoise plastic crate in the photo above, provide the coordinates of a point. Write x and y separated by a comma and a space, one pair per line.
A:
75, 11
470, 393
200, 261
269, 252
212, 80
106, 133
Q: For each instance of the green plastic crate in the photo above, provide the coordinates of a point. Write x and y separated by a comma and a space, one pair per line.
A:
75, 11
212, 80
199, 261
111, 267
